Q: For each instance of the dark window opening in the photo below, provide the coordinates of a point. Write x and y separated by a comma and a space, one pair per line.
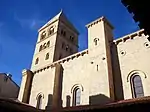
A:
37, 61
137, 86
47, 56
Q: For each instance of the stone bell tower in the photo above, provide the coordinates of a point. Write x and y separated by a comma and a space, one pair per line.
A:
56, 39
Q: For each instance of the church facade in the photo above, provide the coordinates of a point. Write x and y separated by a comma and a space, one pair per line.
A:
109, 70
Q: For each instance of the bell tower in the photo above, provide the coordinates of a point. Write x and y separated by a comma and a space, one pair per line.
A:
57, 39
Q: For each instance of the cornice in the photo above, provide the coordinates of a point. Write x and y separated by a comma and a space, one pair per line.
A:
99, 20
129, 37
76, 55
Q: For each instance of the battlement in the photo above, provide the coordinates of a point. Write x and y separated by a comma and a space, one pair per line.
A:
66, 59
129, 37
99, 20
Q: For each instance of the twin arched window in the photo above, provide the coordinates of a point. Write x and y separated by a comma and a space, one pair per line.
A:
51, 31
76, 96
43, 35
44, 46
136, 85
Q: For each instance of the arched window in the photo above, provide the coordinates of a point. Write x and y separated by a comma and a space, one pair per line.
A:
43, 35
67, 47
48, 43
47, 56
51, 31
39, 102
37, 61
137, 87
96, 41
72, 38
76, 96
40, 48
44, 46
63, 33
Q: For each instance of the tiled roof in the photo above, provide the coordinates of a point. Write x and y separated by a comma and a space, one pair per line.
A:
117, 104
16, 105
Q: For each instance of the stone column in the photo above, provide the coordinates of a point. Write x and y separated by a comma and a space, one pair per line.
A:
25, 88
57, 90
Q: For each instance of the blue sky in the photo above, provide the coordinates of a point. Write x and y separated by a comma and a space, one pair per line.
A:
20, 20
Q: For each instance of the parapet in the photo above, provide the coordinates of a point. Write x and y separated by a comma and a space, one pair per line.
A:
99, 20
129, 37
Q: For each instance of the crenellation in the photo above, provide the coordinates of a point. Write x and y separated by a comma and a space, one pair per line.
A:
129, 37
94, 22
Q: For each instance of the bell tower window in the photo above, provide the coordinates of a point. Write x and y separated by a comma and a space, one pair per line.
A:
47, 56
72, 38
67, 47
43, 35
36, 61
48, 44
40, 48
63, 33
51, 30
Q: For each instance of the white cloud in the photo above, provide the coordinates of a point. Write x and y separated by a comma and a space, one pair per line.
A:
32, 23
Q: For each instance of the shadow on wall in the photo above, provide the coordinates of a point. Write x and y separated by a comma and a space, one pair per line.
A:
99, 99
49, 102
117, 72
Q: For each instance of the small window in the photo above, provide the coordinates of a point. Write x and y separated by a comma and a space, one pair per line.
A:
40, 48
36, 61
51, 31
63, 33
47, 56
76, 96
67, 47
43, 35
39, 102
48, 44
44, 46
96, 41
72, 38
137, 87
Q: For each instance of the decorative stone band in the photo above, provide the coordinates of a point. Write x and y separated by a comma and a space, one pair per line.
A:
82, 53
130, 36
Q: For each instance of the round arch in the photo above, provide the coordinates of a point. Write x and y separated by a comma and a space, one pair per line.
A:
39, 95
77, 86
139, 72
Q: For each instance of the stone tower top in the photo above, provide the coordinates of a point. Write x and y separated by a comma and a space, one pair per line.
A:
100, 33
103, 18
57, 39
60, 16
